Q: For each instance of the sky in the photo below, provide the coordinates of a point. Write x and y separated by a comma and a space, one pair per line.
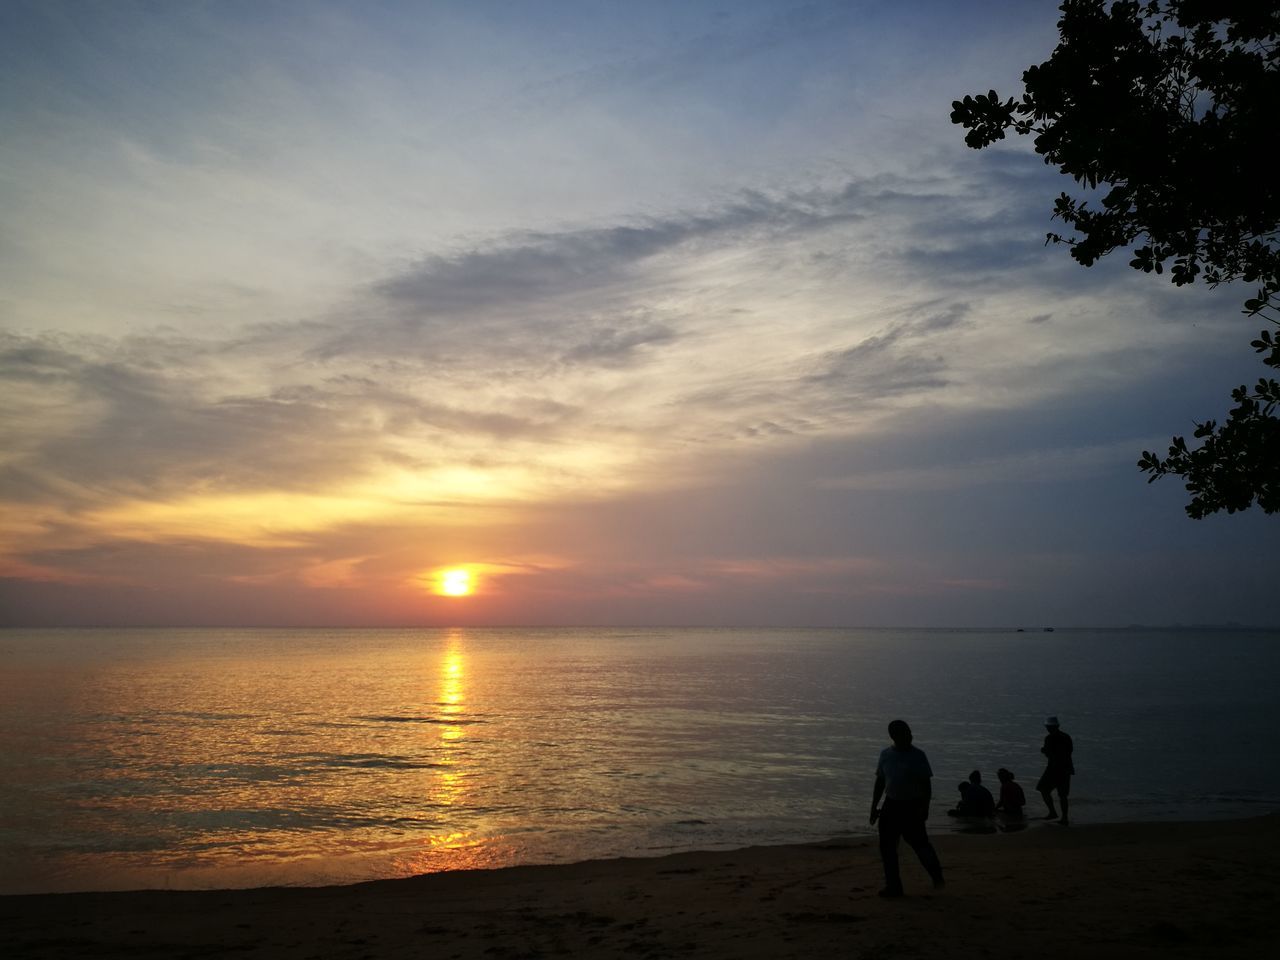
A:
637, 313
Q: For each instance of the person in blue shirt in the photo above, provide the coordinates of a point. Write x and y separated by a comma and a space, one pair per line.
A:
903, 780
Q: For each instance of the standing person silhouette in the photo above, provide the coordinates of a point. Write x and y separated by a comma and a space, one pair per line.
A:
1058, 771
903, 779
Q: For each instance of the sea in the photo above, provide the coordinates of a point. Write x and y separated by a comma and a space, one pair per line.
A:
218, 758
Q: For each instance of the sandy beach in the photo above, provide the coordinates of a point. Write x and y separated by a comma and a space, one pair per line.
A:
1120, 890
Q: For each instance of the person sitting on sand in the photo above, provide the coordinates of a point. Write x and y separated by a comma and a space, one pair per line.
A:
1058, 771
975, 799
903, 778
964, 808
1012, 799
980, 797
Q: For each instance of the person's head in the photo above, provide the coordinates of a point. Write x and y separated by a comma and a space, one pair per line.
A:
975, 777
1051, 724
964, 787
900, 734
1003, 775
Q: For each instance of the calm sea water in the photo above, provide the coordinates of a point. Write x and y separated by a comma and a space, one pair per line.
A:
215, 758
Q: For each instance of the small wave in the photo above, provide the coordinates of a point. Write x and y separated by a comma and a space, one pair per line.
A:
159, 717
306, 762
443, 721
372, 760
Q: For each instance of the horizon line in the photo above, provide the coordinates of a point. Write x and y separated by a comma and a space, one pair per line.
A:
1043, 628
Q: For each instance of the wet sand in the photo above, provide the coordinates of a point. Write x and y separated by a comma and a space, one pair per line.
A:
1122, 890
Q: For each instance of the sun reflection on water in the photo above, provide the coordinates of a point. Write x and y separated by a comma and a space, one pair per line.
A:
451, 702
455, 846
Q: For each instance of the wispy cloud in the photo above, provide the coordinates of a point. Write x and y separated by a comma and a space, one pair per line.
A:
905, 358
528, 342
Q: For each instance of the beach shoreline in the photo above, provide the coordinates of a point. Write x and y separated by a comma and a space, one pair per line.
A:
1125, 889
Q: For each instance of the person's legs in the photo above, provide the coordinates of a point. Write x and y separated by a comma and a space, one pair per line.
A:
913, 831
890, 829
1045, 785
1048, 802
1064, 788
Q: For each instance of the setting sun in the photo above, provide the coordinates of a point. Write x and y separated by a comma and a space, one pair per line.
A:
455, 582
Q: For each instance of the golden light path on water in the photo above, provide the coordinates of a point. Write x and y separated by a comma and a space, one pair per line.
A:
462, 847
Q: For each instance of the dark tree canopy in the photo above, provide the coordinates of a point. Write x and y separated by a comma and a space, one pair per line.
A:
1165, 113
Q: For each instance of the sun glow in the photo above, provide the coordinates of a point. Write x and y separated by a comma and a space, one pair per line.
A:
455, 582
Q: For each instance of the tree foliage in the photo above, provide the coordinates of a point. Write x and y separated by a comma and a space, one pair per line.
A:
1165, 113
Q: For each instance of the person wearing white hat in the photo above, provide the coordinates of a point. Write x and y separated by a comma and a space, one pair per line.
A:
1058, 771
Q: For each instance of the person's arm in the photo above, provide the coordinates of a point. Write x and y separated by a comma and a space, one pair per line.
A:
876, 794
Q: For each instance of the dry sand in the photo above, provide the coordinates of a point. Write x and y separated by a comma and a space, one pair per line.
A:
1206, 889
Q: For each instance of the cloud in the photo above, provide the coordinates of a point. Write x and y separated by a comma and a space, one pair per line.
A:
92, 423
615, 346
1027, 465
772, 316
527, 268
778, 371
903, 359
144, 428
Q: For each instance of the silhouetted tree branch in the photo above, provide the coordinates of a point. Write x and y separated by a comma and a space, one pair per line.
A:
1166, 111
